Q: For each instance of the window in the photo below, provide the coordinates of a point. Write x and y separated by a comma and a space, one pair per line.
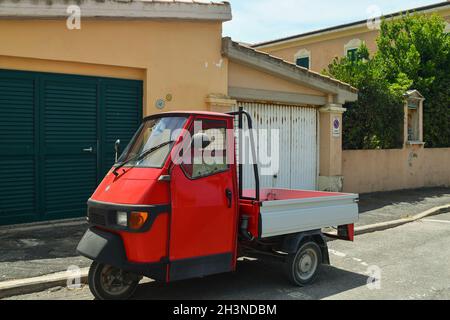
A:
303, 62
351, 48
155, 133
352, 54
211, 159
303, 58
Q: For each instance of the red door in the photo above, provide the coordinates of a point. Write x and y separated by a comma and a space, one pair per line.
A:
204, 208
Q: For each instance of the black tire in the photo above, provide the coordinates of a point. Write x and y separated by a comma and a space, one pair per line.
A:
126, 285
303, 266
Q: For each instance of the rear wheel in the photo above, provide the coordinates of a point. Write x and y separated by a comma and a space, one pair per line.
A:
110, 283
303, 266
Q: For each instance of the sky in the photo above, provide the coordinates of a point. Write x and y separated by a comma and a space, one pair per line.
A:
262, 20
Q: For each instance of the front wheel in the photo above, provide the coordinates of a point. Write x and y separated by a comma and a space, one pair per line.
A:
303, 266
110, 283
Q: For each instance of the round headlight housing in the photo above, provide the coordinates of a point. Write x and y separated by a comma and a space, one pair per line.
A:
137, 220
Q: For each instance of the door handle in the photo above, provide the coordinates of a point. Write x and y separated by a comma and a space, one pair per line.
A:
88, 149
229, 196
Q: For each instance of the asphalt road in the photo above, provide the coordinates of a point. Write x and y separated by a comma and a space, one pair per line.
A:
29, 252
410, 262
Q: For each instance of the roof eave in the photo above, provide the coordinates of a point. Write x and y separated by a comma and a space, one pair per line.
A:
347, 26
288, 71
110, 9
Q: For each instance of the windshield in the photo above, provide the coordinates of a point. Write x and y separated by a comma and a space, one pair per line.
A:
152, 133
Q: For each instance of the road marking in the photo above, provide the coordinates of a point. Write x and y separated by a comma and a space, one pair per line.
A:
337, 253
440, 221
300, 296
343, 255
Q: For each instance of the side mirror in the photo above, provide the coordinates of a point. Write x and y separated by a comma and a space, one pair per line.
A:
200, 139
117, 148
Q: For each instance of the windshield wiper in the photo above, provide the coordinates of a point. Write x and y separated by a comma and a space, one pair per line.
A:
141, 156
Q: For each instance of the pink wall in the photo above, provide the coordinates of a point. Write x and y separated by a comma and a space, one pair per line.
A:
383, 170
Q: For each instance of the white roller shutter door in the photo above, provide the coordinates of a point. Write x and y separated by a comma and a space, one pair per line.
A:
297, 145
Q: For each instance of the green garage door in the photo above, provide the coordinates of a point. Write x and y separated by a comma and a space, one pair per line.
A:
57, 135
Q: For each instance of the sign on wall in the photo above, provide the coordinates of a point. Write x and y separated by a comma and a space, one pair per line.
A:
336, 127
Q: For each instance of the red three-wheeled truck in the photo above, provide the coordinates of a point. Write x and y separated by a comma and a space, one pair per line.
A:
166, 213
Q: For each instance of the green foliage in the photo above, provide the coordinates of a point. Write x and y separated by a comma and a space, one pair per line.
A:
378, 104
416, 50
413, 53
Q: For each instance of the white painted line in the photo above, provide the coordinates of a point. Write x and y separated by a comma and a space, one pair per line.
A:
337, 253
440, 221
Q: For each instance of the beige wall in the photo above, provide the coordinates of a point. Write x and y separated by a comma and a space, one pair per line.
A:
323, 51
172, 57
246, 77
383, 170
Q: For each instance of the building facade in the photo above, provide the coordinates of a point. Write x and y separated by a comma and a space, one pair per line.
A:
413, 166
70, 86
316, 50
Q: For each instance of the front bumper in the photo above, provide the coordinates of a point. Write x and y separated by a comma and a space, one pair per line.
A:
107, 248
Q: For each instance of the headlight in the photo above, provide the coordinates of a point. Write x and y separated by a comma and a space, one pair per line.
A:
122, 219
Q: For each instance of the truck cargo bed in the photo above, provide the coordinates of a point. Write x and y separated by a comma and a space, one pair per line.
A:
286, 211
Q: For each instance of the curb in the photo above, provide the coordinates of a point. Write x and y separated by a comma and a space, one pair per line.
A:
396, 223
30, 285
41, 283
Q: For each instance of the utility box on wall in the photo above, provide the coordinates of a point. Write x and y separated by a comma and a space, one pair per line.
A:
413, 123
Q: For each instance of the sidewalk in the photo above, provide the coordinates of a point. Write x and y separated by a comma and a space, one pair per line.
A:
387, 206
25, 254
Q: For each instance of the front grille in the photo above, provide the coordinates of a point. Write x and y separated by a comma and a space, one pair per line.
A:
97, 218
101, 216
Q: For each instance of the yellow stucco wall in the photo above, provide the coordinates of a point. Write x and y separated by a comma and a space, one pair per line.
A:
180, 58
385, 170
246, 77
323, 51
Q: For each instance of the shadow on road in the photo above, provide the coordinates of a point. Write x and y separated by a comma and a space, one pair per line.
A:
377, 200
254, 280
41, 244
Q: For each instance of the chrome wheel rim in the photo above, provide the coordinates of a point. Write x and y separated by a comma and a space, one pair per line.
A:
307, 264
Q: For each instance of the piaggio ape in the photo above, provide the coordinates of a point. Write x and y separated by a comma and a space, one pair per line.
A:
173, 220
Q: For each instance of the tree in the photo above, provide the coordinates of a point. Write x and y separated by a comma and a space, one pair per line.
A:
375, 121
415, 50
413, 53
